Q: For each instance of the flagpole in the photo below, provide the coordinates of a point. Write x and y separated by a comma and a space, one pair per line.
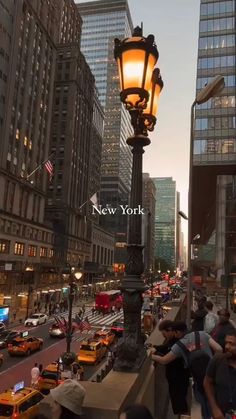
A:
39, 166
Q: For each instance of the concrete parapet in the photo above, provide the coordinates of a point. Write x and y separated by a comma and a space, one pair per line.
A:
106, 399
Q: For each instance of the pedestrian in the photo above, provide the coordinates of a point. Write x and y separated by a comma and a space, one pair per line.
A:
220, 381
196, 350
198, 316
223, 328
211, 319
34, 375
40, 369
83, 309
14, 316
67, 399
136, 411
176, 368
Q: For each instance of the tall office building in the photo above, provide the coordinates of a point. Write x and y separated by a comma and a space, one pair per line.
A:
214, 181
165, 222
148, 222
102, 22
71, 136
29, 33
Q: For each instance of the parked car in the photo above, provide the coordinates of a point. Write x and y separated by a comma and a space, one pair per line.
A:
7, 336
36, 319
19, 403
24, 346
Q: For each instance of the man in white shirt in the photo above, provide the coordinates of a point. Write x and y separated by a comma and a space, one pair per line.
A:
34, 375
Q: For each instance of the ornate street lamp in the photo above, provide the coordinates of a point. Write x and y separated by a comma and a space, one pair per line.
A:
140, 83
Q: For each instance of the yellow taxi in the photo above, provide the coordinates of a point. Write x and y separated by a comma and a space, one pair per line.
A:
1, 360
91, 352
20, 402
106, 337
24, 345
49, 378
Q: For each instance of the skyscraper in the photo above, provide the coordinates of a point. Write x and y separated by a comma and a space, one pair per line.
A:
213, 188
165, 222
102, 22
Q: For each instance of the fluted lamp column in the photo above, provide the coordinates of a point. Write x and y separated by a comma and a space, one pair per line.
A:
140, 88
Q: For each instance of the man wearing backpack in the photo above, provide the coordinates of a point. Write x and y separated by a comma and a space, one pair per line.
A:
220, 381
196, 350
223, 328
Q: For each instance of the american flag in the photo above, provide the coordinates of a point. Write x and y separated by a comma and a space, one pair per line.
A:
49, 167
84, 325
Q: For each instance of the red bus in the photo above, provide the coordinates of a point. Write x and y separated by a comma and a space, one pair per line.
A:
105, 300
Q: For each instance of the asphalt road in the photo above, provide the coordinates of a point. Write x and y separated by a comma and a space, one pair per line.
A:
18, 368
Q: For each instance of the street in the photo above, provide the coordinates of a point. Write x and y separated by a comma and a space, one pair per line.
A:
16, 369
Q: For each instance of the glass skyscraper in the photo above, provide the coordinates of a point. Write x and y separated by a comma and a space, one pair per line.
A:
102, 22
165, 222
214, 186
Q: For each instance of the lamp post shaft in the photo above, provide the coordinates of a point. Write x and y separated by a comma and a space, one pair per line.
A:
189, 283
131, 352
69, 327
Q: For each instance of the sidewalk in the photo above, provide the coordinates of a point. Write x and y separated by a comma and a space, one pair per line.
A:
20, 315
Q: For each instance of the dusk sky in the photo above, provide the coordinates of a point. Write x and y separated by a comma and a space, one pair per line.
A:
174, 24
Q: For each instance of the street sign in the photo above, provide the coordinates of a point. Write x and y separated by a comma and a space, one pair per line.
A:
227, 281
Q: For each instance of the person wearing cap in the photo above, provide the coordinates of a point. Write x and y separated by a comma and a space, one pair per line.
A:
67, 399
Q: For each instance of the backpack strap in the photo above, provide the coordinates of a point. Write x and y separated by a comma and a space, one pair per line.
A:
197, 340
183, 347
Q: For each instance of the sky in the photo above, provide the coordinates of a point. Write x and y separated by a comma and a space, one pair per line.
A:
174, 23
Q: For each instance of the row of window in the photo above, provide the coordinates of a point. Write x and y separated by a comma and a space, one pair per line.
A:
218, 102
213, 25
211, 146
211, 42
223, 122
19, 249
230, 81
216, 62
217, 8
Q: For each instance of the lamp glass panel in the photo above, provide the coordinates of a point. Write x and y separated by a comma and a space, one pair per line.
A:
133, 67
120, 74
150, 66
156, 99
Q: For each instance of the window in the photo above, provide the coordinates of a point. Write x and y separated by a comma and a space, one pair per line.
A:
19, 248
201, 124
4, 246
32, 250
43, 252
51, 253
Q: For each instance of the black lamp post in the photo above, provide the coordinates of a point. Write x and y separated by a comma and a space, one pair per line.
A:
73, 275
140, 89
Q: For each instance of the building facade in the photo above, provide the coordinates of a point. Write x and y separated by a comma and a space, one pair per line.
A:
148, 222
71, 135
102, 22
30, 33
213, 187
165, 223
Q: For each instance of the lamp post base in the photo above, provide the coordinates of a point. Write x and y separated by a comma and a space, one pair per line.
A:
131, 356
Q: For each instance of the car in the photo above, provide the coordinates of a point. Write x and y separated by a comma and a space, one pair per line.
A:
7, 337
56, 331
91, 352
2, 327
117, 328
51, 377
20, 402
36, 319
1, 360
106, 337
24, 345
